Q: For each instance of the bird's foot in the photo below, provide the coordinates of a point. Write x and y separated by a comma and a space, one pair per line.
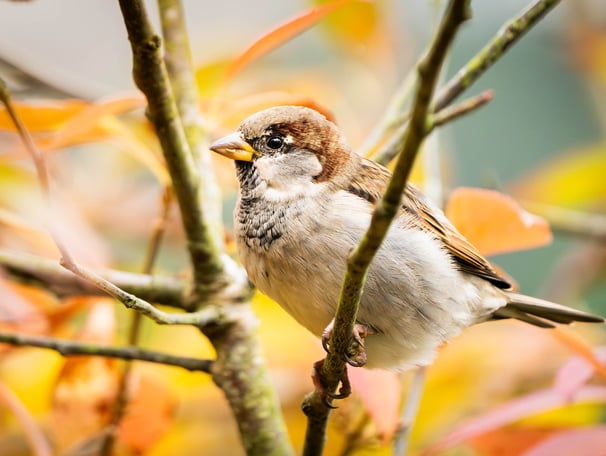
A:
320, 385
356, 352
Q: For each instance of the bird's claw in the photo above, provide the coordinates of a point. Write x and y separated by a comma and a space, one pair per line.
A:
356, 353
320, 386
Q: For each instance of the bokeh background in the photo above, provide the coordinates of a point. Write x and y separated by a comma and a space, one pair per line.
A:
542, 140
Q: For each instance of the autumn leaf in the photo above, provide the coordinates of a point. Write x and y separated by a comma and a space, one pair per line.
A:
87, 385
494, 222
574, 179
149, 413
42, 116
514, 410
280, 35
380, 392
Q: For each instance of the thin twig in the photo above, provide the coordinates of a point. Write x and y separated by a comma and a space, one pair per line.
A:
48, 274
457, 11
409, 412
72, 348
507, 36
451, 113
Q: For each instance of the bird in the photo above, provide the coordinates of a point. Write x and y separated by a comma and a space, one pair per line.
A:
305, 200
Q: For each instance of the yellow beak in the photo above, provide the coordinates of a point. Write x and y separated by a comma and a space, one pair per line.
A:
233, 146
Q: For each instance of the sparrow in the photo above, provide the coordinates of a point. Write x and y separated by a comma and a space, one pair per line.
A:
306, 199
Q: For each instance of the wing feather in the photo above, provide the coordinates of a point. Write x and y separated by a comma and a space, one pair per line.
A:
422, 214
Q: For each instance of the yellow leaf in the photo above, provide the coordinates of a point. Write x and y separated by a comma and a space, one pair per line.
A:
352, 26
575, 179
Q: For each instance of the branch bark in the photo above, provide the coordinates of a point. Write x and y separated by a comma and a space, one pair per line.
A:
150, 75
45, 273
71, 348
333, 368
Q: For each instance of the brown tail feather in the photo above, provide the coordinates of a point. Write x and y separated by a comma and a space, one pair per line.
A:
540, 312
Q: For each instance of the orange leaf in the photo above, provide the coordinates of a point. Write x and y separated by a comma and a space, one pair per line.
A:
148, 415
87, 119
21, 310
281, 35
380, 392
46, 115
494, 222
87, 386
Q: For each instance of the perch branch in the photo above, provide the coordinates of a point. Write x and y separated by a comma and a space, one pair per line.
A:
333, 369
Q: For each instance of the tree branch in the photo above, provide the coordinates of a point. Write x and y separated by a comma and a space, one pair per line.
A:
451, 113
239, 369
149, 73
185, 91
333, 369
506, 37
72, 348
48, 274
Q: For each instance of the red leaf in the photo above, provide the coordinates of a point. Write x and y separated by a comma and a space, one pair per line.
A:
516, 409
380, 392
587, 441
578, 371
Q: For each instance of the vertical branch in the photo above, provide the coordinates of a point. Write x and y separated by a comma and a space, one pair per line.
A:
333, 368
149, 73
183, 82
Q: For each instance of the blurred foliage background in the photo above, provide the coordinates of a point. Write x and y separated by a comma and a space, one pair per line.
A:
542, 140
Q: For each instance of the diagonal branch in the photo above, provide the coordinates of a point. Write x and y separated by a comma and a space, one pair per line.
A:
333, 368
72, 348
48, 274
506, 37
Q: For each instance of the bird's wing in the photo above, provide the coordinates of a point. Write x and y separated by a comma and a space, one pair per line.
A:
422, 214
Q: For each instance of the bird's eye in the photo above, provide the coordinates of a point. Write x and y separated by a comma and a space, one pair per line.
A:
275, 142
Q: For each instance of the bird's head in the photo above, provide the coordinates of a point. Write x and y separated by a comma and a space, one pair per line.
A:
286, 145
